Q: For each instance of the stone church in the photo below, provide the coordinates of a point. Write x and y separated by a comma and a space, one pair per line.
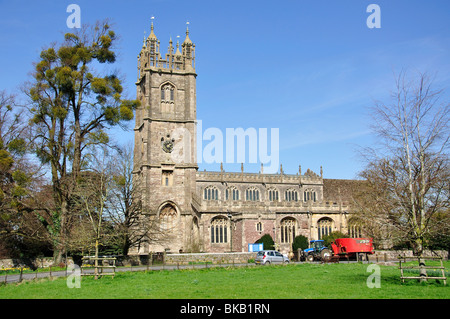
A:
214, 211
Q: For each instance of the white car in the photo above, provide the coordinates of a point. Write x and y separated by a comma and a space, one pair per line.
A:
265, 257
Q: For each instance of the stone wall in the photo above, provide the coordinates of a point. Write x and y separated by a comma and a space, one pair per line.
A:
215, 258
392, 255
39, 263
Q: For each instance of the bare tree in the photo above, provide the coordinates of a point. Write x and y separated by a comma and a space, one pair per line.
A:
124, 207
92, 189
408, 173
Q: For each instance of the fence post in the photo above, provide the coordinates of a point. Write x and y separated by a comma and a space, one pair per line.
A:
151, 259
401, 269
164, 260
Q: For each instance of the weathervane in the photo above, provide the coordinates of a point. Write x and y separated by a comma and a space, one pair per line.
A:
152, 18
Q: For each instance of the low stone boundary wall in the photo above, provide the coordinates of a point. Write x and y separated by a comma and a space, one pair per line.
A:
185, 258
38, 263
392, 255
214, 258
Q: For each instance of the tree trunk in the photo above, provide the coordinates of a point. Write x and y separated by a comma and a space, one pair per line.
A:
62, 236
126, 246
422, 270
57, 256
419, 252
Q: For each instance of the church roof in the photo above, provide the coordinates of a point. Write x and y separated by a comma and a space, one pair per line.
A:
340, 190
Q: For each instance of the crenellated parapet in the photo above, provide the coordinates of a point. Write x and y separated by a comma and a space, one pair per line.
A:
239, 190
240, 177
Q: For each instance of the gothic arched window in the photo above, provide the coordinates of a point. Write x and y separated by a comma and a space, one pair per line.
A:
324, 227
354, 228
167, 217
211, 193
231, 193
219, 230
291, 195
273, 195
309, 195
259, 227
287, 230
167, 92
167, 97
252, 194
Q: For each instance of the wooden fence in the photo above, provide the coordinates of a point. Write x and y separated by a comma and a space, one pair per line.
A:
105, 263
420, 266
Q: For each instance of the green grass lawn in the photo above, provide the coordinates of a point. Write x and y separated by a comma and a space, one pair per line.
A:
264, 282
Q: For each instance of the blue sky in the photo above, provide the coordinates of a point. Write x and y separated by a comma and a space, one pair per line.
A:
309, 68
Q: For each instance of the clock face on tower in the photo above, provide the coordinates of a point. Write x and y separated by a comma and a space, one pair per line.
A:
167, 146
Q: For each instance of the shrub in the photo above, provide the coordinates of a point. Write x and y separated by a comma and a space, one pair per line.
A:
328, 239
267, 241
300, 242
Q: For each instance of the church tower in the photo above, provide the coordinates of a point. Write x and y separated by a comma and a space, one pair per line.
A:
165, 162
